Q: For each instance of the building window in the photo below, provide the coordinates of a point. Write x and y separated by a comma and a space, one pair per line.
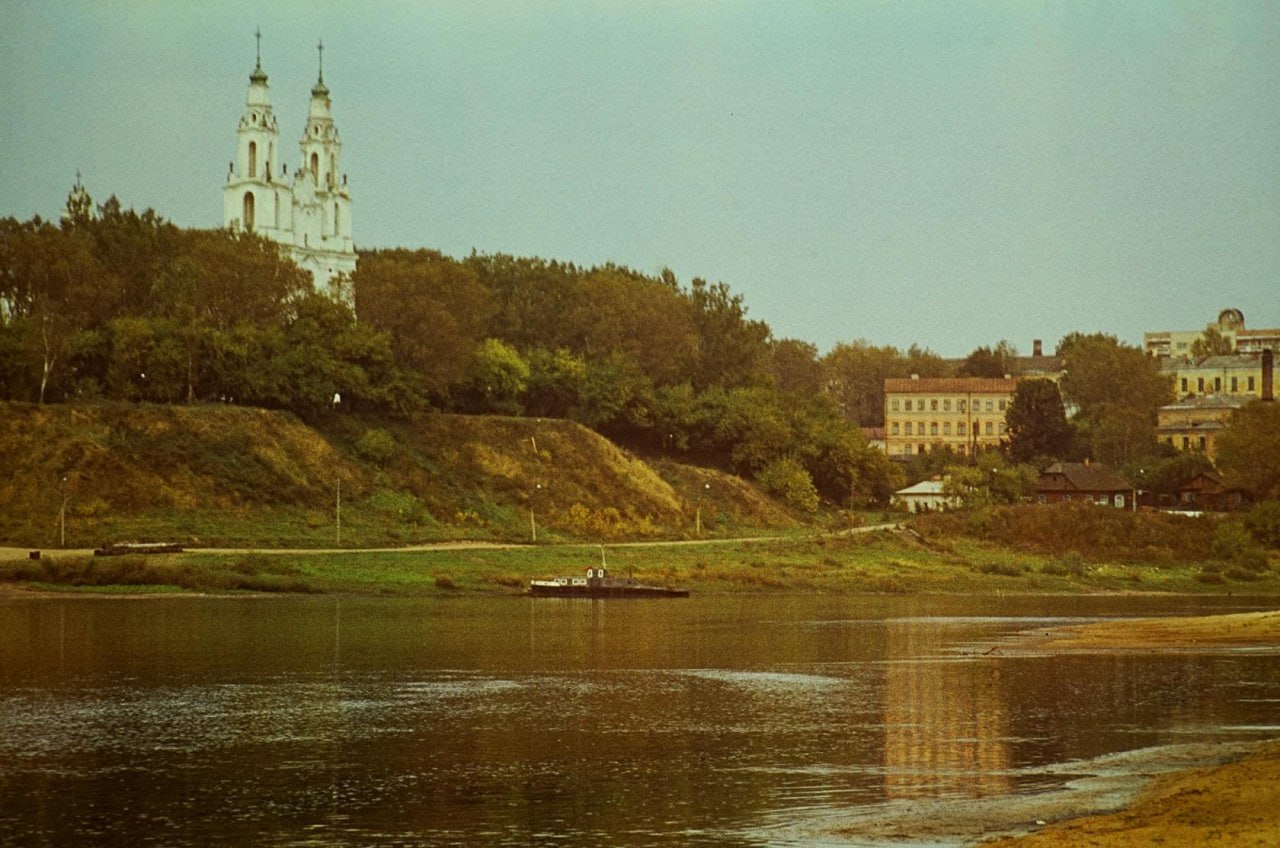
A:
1186, 443
1203, 445
1184, 385
893, 404
1200, 385
946, 404
335, 219
1217, 384
946, 428
1002, 428
990, 429
990, 406
960, 428
315, 169
1235, 384
1251, 385
248, 211
253, 160
933, 429
895, 428
1002, 402
908, 428
933, 405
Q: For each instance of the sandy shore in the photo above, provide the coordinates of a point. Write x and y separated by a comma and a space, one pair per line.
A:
1250, 628
1232, 805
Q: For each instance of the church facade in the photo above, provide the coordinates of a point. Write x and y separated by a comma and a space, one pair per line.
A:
309, 211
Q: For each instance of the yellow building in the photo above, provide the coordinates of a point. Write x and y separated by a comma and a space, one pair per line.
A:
1230, 325
1193, 423
964, 414
1234, 375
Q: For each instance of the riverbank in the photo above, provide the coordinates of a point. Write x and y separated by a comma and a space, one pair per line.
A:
881, 561
1250, 628
1232, 806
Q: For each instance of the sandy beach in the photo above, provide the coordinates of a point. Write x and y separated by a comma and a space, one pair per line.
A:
1234, 804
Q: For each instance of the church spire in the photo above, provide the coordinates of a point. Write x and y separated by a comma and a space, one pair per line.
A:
320, 89
258, 75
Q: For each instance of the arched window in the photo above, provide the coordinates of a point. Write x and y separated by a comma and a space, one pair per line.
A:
315, 168
253, 159
248, 210
335, 219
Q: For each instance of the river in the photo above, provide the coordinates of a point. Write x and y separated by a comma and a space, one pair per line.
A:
712, 721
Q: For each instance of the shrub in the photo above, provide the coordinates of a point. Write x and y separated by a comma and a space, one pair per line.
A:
1263, 523
444, 581
1210, 577
788, 480
376, 446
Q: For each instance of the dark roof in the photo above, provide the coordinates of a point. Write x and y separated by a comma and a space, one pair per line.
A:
1081, 477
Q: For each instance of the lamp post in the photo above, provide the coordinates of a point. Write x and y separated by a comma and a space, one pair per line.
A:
697, 515
337, 512
62, 513
533, 524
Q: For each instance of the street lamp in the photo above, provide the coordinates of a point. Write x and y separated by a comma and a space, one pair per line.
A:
62, 513
533, 524
697, 515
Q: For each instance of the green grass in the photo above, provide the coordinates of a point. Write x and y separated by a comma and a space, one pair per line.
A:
879, 562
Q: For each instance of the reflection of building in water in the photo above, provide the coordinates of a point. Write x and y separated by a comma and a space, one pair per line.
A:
946, 726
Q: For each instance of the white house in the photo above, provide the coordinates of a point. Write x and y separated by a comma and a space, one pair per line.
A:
923, 496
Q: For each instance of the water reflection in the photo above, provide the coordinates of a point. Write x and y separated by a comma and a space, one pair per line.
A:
946, 728
515, 722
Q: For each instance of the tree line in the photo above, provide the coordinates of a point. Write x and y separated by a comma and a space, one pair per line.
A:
121, 305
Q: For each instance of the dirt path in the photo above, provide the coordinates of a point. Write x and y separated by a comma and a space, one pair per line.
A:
1250, 628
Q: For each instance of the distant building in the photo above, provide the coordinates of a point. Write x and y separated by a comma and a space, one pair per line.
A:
309, 212
874, 436
964, 414
925, 496
1230, 324
1064, 482
1208, 491
1193, 423
1236, 375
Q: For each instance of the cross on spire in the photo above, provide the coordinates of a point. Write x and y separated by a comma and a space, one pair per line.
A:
257, 34
320, 47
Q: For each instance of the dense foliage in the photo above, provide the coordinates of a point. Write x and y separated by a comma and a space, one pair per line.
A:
125, 306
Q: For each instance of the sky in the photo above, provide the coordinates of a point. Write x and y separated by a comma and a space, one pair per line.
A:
947, 174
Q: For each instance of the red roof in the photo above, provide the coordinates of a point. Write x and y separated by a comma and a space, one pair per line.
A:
950, 385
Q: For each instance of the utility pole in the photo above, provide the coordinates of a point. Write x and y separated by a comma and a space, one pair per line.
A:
533, 524
337, 509
62, 514
697, 517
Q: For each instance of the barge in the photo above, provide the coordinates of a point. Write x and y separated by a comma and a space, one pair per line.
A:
598, 584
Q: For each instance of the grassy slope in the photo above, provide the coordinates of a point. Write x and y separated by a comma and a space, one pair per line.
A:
221, 475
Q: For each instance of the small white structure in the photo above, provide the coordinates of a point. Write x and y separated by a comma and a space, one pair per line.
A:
309, 212
925, 496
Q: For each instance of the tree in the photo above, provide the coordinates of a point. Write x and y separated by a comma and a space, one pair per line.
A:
854, 375
795, 367
989, 362
498, 376
1037, 422
1117, 389
733, 351
435, 309
1249, 449
1211, 343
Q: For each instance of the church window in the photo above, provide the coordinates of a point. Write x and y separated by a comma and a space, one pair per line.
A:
248, 210
315, 168
253, 159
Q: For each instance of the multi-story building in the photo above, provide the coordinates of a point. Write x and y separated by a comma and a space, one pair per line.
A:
1193, 423
1230, 325
1234, 375
964, 414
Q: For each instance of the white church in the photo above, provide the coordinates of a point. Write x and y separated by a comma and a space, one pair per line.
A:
310, 211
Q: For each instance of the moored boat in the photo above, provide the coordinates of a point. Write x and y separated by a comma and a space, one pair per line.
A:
598, 584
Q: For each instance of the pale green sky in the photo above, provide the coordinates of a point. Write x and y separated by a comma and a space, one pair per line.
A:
945, 173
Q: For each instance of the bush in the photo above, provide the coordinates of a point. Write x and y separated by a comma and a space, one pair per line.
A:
1263, 523
788, 480
376, 446
1232, 543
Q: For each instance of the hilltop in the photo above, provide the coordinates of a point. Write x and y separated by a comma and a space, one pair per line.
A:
227, 475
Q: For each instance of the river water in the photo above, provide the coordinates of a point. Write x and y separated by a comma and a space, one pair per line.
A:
716, 720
